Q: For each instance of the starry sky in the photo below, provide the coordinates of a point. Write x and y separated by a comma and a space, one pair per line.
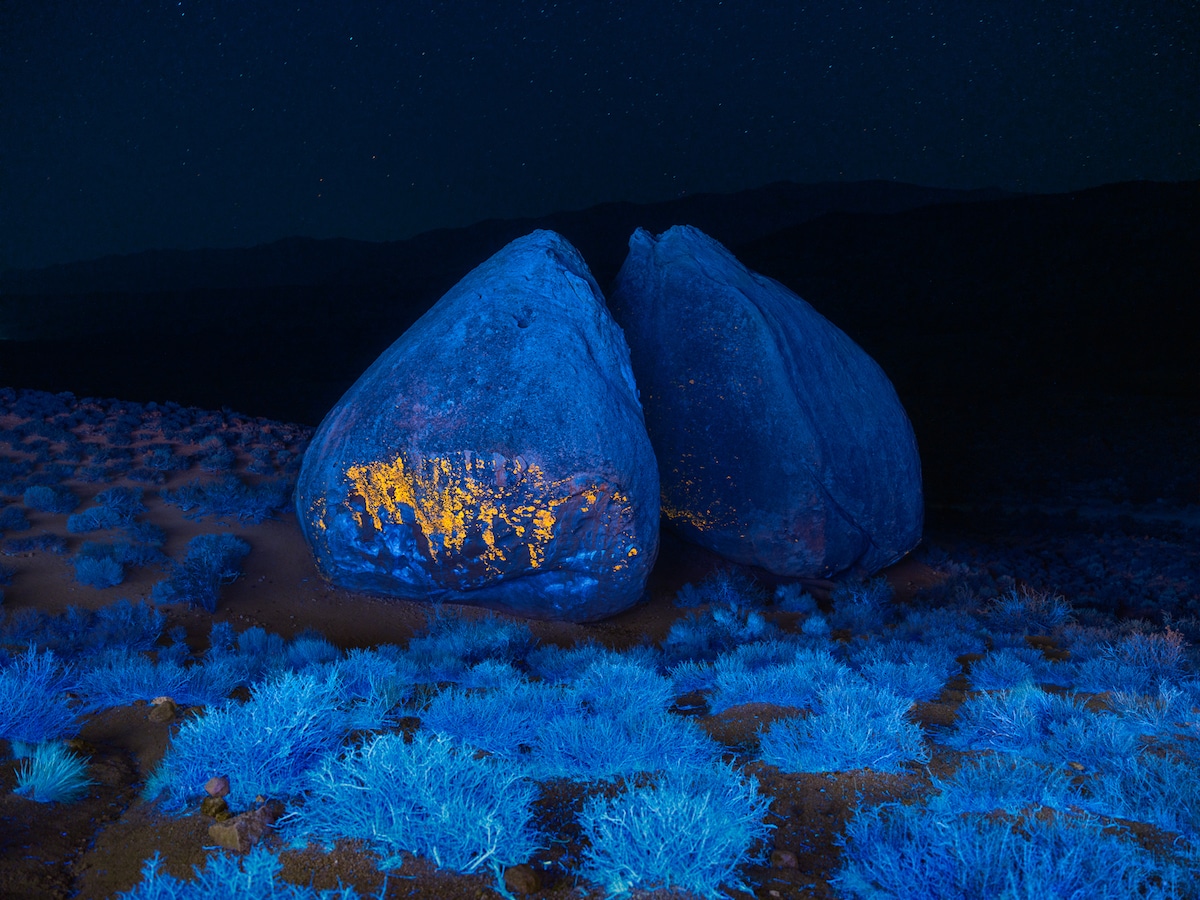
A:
126, 126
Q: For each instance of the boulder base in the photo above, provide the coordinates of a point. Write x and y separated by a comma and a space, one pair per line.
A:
780, 442
496, 454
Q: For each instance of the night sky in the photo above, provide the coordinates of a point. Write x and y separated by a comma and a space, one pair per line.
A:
129, 125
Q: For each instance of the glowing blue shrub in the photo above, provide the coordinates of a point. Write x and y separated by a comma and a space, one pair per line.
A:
1002, 669
563, 665
1137, 663
454, 643
1044, 727
505, 721
705, 635
724, 587
794, 598
212, 560
686, 830
32, 706
43, 543
429, 798
988, 782
52, 774
796, 683
230, 497
310, 649
12, 518
98, 571
591, 746
264, 745
50, 499
120, 679
856, 725
1028, 613
910, 853
913, 671
1162, 791
227, 875
862, 608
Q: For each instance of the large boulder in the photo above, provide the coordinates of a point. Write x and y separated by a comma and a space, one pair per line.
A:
495, 454
780, 442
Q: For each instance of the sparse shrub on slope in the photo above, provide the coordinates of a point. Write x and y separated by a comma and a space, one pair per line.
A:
50, 499
212, 560
429, 797
685, 830
230, 497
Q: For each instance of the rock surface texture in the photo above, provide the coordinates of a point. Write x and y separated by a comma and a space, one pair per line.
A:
496, 454
780, 442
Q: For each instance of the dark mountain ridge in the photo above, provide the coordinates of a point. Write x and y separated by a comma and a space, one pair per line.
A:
1010, 325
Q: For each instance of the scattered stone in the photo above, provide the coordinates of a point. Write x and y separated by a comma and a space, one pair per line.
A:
784, 859
217, 786
522, 879
240, 833
495, 454
780, 442
162, 709
215, 808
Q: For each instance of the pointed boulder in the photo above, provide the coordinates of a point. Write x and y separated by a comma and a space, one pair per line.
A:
780, 442
496, 454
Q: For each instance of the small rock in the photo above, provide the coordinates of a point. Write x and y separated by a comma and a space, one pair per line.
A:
522, 879
784, 859
217, 786
164, 710
242, 832
215, 808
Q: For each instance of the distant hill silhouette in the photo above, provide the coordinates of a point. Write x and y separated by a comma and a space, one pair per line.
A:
969, 300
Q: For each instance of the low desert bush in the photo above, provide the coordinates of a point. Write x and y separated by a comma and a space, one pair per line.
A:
265, 744
912, 853
428, 797
50, 499
797, 682
454, 642
856, 725
706, 634
688, 830
227, 875
52, 774
230, 497
862, 608
98, 571
33, 708
212, 560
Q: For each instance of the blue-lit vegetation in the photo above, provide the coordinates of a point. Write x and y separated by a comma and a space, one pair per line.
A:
52, 774
212, 560
1028, 748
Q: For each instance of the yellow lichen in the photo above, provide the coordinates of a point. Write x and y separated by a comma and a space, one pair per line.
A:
453, 498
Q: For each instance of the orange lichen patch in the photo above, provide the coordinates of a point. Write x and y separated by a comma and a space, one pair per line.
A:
456, 498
